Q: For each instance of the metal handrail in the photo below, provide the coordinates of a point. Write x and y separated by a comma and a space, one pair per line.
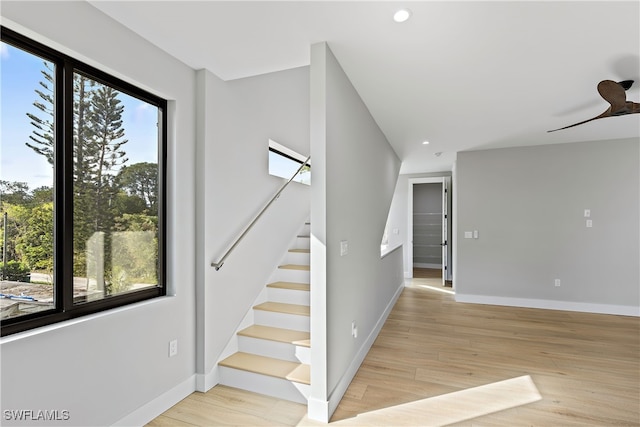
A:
218, 265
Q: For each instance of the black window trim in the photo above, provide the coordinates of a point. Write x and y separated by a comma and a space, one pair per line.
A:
276, 151
65, 309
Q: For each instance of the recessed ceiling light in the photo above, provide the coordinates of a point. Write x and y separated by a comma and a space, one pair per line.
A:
425, 142
402, 15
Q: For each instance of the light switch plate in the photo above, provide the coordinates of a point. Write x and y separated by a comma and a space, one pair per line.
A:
468, 234
344, 247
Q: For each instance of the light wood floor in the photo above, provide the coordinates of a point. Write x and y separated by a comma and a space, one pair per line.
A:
438, 362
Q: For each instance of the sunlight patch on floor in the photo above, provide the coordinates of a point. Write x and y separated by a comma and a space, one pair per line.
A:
436, 288
453, 407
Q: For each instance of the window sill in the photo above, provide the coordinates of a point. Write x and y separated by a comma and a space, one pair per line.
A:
81, 319
387, 249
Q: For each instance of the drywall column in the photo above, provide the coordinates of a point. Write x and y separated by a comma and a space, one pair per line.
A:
318, 408
355, 173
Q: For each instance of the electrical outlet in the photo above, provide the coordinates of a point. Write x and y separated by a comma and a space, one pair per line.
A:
354, 329
557, 282
173, 348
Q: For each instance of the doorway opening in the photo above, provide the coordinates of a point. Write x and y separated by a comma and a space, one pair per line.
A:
430, 230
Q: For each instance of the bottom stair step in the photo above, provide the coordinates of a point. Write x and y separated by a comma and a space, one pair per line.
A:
292, 371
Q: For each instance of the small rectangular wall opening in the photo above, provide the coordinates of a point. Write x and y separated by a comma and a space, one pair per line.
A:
284, 162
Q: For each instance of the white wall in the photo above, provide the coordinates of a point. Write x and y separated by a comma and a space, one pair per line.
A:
103, 367
235, 121
354, 176
528, 206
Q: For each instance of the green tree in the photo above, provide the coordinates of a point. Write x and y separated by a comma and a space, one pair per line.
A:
135, 250
98, 140
83, 173
107, 139
42, 137
126, 204
14, 192
141, 180
35, 242
17, 217
41, 195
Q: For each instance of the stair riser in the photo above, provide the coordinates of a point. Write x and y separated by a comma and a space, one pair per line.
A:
284, 275
270, 386
301, 242
282, 320
303, 354
288, 296
277, 350
297, 258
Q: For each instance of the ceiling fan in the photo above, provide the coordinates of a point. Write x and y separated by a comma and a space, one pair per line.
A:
613, 93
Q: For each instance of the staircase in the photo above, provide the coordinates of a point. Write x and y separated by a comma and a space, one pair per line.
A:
274, 356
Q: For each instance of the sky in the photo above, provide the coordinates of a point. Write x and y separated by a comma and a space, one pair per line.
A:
20, 74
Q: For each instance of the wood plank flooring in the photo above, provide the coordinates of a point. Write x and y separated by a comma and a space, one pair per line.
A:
438, 362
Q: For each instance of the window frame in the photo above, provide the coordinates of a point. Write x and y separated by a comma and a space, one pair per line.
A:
281, 150
64, 307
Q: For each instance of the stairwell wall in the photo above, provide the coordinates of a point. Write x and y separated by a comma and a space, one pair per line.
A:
236, 119
113, 367
355, 173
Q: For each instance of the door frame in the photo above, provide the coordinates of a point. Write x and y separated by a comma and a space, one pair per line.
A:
446, 184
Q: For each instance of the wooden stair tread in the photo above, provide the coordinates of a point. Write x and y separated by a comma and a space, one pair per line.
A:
295, 267
300, 251
280, 307
278, 368
290, 285
288, 336
303, 343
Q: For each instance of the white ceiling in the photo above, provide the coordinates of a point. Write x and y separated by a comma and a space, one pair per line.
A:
463, 75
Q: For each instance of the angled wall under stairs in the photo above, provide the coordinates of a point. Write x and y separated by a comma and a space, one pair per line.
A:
272, 349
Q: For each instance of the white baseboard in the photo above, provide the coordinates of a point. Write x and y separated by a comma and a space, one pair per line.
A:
157, 406
322, 411
205, 382
318, 410
437, 266
621, 310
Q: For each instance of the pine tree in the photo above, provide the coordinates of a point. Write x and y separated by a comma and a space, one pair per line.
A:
107, 156
98, 138
42, 137
83, 174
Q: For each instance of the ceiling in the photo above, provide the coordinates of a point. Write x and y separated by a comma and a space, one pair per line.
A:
462, 75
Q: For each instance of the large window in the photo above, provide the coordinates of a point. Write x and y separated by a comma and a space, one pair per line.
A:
81, 188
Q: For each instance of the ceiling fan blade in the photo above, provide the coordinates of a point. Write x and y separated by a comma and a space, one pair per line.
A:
613, 93
605, 114
626, 84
